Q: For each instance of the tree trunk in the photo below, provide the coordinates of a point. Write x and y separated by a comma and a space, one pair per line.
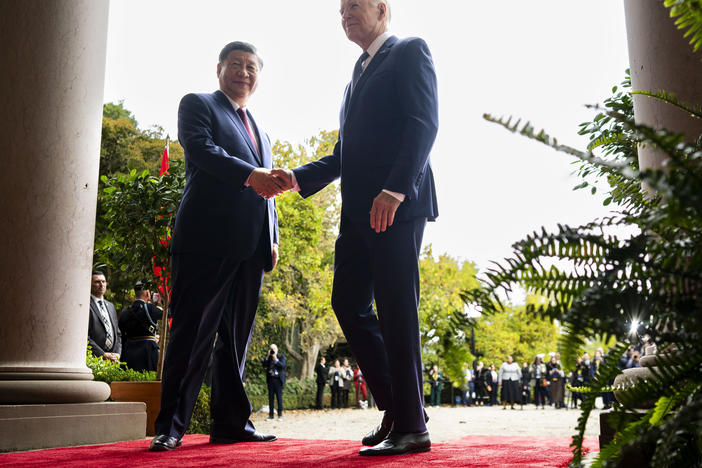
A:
309, 361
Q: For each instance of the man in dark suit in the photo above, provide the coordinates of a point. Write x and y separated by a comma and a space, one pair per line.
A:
388, 122
225, 237
322, 374
104, 336
139, 328
274, 366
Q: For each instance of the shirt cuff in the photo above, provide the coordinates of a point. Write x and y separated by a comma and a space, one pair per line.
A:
296, 186
246, 183
399, 196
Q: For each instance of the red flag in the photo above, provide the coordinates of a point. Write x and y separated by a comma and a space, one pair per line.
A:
164, 159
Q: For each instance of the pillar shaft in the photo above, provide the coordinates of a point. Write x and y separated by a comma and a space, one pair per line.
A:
660, 58
51, 90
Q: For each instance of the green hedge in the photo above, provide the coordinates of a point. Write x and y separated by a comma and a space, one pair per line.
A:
297, 394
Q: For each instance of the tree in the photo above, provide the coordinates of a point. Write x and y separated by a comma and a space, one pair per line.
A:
125, 146
444, 332
514, 333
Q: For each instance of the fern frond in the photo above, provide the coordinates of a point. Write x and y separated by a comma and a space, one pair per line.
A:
689, 15
695, 110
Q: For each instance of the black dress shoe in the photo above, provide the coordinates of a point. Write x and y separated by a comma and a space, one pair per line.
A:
399, 444
380, 432
255, 437
162, 443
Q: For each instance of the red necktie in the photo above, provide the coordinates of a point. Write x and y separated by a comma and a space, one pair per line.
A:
245, 119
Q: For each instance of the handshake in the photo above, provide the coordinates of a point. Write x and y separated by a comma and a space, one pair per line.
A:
270, 183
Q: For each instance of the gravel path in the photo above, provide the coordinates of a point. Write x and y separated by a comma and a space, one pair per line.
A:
446, 423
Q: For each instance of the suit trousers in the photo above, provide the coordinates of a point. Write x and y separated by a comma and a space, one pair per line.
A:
383, 268
275, 389
211, 296
319, 403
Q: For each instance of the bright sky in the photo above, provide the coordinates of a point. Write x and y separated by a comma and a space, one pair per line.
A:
539, 60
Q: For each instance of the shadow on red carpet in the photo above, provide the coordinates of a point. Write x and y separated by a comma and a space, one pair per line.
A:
470, 451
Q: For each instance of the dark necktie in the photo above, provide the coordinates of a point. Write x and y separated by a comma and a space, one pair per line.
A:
358, 69
245, 119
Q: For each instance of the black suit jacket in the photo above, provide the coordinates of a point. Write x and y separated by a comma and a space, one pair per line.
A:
218, 215
96, 329
322, 374
387, 129
279, 365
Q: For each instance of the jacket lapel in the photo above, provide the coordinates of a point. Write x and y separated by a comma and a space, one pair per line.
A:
378, 58
229, 110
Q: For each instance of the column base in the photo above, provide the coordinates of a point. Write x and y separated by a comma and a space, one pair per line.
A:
52, 391
31, 427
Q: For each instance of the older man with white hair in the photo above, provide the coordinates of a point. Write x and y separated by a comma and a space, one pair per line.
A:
388, 123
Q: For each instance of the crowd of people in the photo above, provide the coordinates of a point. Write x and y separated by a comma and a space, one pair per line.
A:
542, 383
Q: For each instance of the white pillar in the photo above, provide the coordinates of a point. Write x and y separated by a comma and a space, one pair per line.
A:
660, 58
51, 89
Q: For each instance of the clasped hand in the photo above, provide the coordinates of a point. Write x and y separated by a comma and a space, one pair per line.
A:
270, 183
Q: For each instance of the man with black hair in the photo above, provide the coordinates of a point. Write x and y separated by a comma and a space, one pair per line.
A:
225, 237
104, 336
139, 329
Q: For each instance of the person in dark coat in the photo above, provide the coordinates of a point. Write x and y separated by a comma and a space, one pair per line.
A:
321, 371
480, 390
104, 336
274, 364
139, 325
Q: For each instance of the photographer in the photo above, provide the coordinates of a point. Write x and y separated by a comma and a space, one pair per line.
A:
634, 360
274, 364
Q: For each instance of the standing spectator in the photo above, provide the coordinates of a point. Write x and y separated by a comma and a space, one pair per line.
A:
526, 388
469, 377
139, 329
509, 377
587, 371
321, 371
274, 365
104, 336
347, 374
597, 362
491, 385
436, 384
360, 383
480, 388
555, 379
336, 382
538, 372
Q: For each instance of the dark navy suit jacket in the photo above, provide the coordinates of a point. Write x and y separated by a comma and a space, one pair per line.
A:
387, 128
218, 215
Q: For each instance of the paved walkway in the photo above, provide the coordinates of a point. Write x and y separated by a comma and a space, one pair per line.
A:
446, 423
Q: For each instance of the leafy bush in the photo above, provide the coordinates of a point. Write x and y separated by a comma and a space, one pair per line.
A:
200, 421
108, 371
652, 275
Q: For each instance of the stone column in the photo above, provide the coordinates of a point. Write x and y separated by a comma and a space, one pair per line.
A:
51, 90
660, 58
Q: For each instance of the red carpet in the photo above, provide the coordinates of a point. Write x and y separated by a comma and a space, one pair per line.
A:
472, 451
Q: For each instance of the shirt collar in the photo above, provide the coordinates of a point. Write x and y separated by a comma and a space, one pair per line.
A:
96, 299
375, 46
233, 102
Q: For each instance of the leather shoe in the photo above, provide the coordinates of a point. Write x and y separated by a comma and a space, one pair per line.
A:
381, 431
248, 437
162, 443
399, 444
